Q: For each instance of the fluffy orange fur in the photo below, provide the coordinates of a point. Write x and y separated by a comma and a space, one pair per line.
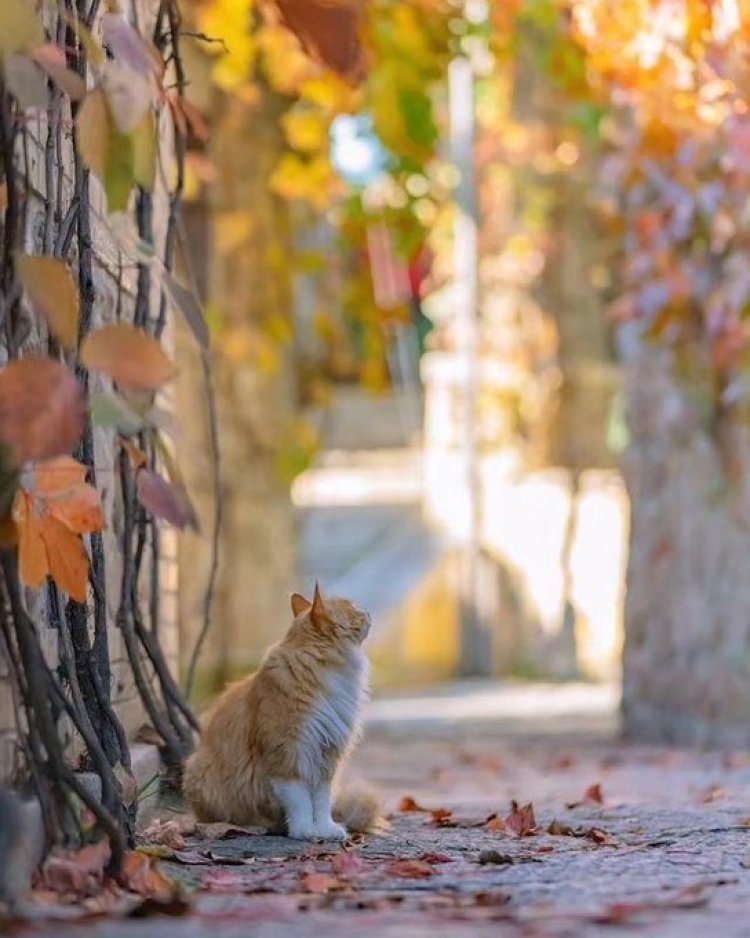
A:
273, 744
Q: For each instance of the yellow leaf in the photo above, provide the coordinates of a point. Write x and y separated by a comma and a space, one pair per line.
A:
233, 229
144, 152
130, 357
53, 292
306, 131
93, 48
107, 151
20, 27
92, 130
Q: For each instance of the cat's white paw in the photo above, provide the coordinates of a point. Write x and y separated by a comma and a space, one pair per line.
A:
330, 830
302, 832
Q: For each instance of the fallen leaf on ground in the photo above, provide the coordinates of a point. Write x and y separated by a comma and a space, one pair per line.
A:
141, 876
712, 793
410, 869
440, 816
228, 859
600, 837
560, 829
319, 883
436, 858
521, 821
221, 831
408, 804
347, 863
592, 795
80, 873
166, 833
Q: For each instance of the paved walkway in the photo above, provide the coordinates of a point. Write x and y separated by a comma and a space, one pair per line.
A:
658, 845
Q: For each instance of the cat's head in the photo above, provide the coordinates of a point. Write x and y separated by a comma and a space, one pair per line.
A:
334, 617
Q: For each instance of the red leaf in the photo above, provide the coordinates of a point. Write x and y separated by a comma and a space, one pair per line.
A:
42, 409
329, 30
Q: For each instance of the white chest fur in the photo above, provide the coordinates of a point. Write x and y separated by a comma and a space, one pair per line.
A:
334, 717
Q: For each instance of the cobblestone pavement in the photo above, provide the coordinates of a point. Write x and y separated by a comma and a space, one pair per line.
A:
664, 853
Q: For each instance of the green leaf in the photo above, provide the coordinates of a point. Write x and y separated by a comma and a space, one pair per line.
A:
110, 409
108, 152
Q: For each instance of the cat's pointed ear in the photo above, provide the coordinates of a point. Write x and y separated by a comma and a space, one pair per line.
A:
299, 604
318, 609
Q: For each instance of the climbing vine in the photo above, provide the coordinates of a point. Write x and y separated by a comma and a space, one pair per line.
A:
83, 365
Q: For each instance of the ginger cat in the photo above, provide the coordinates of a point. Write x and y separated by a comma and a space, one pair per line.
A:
274, 741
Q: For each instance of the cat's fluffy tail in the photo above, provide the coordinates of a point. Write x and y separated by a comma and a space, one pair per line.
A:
359, 808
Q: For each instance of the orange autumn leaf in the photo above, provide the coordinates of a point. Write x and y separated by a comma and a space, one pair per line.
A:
67, 557
32, 555
52, 508
140, 875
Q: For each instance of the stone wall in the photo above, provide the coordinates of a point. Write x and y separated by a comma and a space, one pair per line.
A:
111, 265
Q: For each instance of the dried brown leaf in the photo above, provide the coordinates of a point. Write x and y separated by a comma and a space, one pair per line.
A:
521, 821
410, 869
408, 804
593, 795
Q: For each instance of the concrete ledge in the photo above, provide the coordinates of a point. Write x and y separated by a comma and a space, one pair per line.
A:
21, 855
